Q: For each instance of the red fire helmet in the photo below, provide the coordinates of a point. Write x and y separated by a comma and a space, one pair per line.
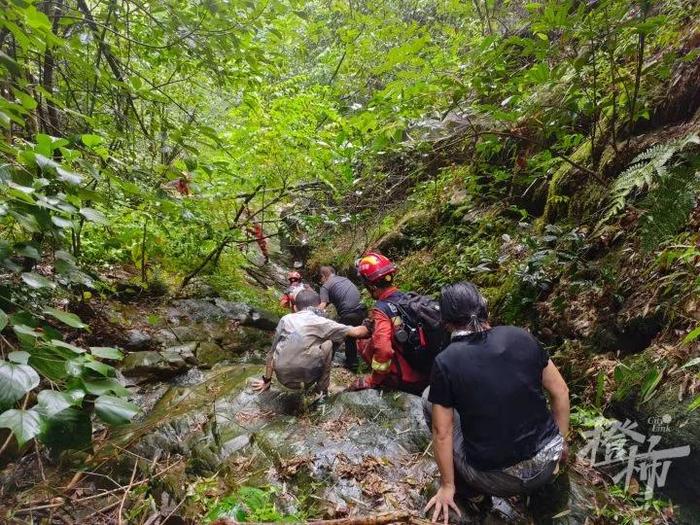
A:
373, 267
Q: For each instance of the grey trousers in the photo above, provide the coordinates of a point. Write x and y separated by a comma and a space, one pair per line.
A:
308, 369
489, 482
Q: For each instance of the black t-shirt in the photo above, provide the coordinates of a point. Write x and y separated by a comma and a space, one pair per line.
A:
342, 293
494, 381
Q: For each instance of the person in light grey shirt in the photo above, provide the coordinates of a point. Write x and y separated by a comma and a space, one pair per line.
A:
342, 293
302, 348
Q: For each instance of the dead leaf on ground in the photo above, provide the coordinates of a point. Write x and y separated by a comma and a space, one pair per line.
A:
249, 416
374, 486
359, 471
290, 467
339, 427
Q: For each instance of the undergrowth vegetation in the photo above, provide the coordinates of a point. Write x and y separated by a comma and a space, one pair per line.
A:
547, 151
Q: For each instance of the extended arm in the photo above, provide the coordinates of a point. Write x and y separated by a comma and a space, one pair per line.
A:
443, 420
378, 352
325, 297
260, 385
554, 384
358, 332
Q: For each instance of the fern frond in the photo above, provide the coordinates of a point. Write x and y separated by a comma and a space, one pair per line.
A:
693, 138
666, 209
653, 152
645, 171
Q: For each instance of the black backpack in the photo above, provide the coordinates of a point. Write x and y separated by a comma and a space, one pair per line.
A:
419, 331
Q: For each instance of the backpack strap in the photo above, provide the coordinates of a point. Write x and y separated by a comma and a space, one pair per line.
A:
389, 306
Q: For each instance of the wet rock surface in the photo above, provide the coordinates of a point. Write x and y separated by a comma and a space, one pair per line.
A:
149, 365
355, 453
209, 353
137, 340
218, 309
664, 416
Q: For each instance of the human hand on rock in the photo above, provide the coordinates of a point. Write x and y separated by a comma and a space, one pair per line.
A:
260, 385
442, 502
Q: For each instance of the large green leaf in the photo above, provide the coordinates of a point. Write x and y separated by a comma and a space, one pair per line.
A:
36, 19
15, 381
65, 317
9, 63
93, 215
100, 387
100, 368
61, 222
106, 352
50, 361
23, 329
19, 356
29, 251
115, 410
37, 281
3, 320
24, 424
51, 402
91, 140
68, 346
68, 176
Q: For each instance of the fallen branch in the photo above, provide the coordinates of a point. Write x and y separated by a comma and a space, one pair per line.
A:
126, 493
40, 507
379, 519
63, 501
125, 487
103, 509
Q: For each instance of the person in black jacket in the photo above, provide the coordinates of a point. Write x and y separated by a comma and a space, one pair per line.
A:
493, 433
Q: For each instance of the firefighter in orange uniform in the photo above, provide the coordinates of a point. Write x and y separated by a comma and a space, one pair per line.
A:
295, 286
382, 351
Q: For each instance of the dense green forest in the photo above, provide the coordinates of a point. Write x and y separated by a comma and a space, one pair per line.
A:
548, 151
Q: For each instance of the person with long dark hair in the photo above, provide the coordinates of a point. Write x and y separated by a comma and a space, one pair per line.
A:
493, 433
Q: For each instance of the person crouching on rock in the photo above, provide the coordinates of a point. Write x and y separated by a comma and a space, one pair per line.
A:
302, 348
492, 431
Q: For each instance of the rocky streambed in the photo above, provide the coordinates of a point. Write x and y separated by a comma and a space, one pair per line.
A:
357, 453
203, 440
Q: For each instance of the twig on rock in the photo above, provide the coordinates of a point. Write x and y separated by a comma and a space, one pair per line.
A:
126, 493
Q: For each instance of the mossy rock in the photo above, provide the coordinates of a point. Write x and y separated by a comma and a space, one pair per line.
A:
563, 185
209, 354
